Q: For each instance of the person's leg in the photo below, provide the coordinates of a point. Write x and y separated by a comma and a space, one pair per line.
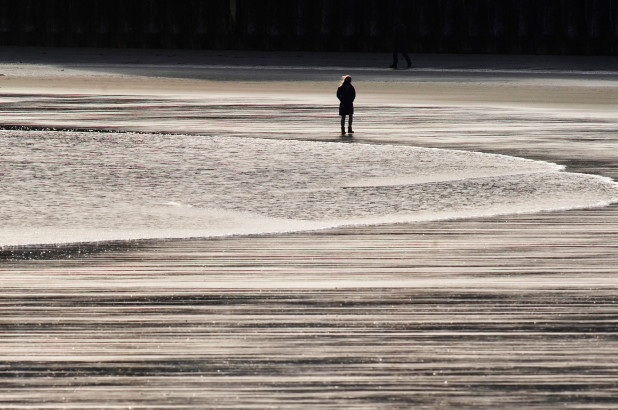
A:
395, 58
350, 118
343, 124
407, 57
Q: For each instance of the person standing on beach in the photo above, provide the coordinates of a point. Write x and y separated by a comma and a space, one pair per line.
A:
400, 34
346, 95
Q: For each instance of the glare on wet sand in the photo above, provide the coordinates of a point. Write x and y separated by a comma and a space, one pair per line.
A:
506, 311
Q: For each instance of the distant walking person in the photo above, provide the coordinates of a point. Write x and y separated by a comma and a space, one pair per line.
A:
400, 34
346, 95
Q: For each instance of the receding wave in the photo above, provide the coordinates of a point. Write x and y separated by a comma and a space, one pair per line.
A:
66, 187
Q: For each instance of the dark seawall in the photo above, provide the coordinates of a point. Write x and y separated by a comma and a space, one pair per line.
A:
568, 27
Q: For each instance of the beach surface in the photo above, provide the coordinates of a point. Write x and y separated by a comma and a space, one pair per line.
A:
509, 311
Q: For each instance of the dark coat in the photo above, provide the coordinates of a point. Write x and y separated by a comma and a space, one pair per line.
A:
346, 95
400, 37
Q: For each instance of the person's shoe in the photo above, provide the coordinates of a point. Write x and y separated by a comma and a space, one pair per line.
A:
350, 130
392, 66
342, 130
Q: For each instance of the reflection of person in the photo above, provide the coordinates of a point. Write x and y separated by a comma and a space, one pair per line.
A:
346, 95
400, 33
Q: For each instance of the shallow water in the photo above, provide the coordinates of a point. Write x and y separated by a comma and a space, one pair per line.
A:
516, 311
62, 186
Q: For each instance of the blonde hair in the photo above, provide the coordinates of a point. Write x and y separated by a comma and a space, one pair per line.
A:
343, 78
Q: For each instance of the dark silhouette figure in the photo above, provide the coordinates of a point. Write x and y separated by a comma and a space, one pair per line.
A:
400, 34
346, 95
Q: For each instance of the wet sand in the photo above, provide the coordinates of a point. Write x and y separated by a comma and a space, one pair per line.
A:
511, 311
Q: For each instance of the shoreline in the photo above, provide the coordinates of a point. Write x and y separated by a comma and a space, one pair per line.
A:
508, 311
437, 78
488, 82
495, 82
